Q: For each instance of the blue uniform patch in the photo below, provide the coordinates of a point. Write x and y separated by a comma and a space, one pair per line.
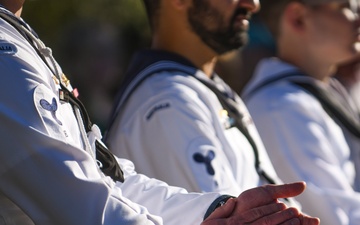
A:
7, 48
199, 158
51, 108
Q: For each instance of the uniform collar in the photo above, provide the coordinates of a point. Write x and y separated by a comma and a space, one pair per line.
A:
145, 58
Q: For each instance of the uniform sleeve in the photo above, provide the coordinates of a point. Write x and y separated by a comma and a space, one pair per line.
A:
305, 144
174, 205
58, 184
170, 135
42, 169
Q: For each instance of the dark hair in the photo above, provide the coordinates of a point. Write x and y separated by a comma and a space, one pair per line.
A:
271, 12
152, 8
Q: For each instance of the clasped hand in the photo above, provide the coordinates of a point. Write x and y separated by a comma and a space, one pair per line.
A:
261, 206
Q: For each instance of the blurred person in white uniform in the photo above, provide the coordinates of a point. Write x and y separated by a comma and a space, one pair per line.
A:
348, 73
305, 117
175, 118
55, 170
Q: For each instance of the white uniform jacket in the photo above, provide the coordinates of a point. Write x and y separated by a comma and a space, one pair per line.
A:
305, 143
46, 176
174, 128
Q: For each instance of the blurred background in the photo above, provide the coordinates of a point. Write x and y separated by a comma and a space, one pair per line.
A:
93, 41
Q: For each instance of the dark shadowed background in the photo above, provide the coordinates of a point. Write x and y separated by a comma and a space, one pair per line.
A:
93, 41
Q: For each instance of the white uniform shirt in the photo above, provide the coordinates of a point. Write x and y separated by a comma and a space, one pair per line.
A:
305, 143
174, 128
46, 176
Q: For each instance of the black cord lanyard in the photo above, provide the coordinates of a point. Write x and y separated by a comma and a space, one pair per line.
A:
108, 163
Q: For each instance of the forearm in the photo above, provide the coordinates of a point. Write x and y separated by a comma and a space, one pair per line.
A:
167, 201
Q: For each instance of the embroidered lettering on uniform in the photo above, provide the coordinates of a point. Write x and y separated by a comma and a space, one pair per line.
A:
7, 48
52, 108
199, 158
65, 133
157, 108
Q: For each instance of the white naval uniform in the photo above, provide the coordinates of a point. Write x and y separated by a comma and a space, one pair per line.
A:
174, 128
305, 143
46, 176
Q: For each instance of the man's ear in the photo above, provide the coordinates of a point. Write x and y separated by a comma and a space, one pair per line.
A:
294, 16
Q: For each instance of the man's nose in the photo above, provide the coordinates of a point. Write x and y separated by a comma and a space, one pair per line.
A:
251, 5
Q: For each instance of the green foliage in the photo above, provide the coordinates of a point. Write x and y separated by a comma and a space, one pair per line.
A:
49, 17
63, 25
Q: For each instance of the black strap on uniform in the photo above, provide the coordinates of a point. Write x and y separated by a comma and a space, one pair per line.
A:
110, 166
333, 108
231, 107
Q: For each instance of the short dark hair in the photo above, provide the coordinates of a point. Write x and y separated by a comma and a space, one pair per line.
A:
152, 9
271, 12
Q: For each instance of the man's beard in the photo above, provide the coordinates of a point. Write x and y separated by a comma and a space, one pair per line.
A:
208, 23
